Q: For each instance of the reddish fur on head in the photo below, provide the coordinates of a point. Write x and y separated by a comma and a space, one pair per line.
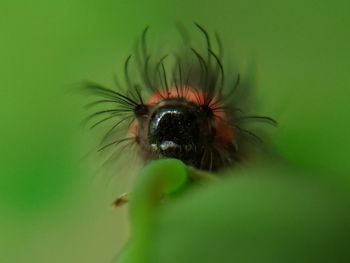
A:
225, 133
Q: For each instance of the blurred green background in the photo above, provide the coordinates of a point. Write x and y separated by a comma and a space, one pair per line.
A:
54, 204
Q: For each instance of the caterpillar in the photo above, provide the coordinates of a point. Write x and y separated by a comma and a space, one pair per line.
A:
178, 105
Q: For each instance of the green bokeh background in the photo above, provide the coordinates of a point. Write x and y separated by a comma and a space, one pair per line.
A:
54, 205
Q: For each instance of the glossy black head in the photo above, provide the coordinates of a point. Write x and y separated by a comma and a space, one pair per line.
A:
177, 131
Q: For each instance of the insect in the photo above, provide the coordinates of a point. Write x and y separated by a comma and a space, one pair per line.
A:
184, 111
